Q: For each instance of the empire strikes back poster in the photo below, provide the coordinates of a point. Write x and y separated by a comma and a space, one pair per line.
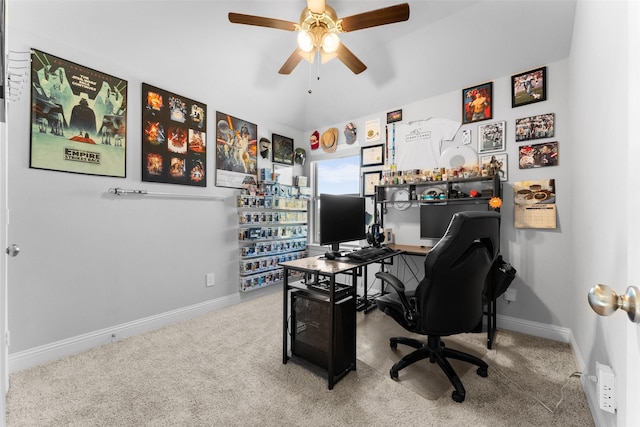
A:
78, 118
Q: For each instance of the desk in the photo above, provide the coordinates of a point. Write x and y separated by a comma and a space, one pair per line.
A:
411, 250
319, 269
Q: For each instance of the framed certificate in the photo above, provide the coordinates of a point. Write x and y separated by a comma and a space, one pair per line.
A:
372, 155
369, 182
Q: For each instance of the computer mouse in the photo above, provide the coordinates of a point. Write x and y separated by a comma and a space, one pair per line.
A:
330, 255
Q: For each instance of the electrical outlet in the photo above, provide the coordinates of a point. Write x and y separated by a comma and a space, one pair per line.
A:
510, 295
606, 388
211, 279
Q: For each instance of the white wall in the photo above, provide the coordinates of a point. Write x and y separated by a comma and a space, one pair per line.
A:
91, 260
540, 256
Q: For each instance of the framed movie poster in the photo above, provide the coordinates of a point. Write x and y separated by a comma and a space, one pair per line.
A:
78, 118
236, 152
477, 103
529, 87
282, 149
174, 140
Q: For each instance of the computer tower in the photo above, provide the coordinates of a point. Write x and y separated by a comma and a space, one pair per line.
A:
311, 326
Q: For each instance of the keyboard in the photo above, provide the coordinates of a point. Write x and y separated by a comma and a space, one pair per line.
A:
366, 254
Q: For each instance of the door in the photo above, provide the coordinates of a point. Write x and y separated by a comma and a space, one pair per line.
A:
4, 377
4, 353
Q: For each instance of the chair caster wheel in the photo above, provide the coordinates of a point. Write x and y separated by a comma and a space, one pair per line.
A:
458, 397
482, 372
393, 374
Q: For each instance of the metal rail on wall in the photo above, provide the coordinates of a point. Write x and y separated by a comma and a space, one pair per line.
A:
123, 192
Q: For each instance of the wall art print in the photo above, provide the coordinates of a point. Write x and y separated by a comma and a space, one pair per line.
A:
477, 103
529, 87
492, 136
538, 155
174, 140
78, 118
236, 152
535, 127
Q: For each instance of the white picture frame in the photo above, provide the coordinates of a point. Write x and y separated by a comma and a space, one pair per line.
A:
492, 137
497, 162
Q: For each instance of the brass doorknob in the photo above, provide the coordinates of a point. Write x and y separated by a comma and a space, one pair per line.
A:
605, 301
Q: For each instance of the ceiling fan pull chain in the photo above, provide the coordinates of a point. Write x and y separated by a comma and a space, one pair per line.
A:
310, 80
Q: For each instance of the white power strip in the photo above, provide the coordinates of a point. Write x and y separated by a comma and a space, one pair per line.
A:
606, 388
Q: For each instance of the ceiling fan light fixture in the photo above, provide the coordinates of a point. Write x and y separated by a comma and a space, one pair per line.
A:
330, 42
316, 6
305, 41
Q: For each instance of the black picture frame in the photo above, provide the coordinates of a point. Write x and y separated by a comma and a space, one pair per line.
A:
394, 116
174, 144
477, 103
535, 127
369, 180
529, 87
538, 155
282, 149
372, 155
77, 133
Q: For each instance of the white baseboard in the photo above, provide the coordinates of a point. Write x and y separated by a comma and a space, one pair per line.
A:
59, 349
536, 329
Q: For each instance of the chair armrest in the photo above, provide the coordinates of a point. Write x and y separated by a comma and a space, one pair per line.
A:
397, 285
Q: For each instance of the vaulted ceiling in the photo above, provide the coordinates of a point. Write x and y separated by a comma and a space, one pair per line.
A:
444, 46
189, 46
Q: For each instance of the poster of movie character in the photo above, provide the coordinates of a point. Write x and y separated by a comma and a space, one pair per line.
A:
78, 118
236, 152
174, 143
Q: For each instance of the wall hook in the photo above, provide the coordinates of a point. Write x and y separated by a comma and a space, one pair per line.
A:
605, 301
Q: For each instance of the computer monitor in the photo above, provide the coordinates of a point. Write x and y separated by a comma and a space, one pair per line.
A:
342, 219
435, 217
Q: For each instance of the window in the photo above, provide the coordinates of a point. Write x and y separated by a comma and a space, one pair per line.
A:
333, 176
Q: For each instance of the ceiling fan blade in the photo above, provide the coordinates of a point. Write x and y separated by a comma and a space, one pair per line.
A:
292, 62
260, 21
349, 59
374, 18
316, 6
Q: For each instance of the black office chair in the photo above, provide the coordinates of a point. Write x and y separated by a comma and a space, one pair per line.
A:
449, 299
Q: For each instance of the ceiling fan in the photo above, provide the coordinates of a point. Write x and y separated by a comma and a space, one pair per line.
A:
319, 28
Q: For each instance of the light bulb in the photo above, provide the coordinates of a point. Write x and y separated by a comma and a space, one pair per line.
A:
305, 41
330, 42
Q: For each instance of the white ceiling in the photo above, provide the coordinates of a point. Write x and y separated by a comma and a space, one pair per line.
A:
445, 46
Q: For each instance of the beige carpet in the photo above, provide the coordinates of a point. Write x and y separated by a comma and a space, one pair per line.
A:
225, 369
374, 331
